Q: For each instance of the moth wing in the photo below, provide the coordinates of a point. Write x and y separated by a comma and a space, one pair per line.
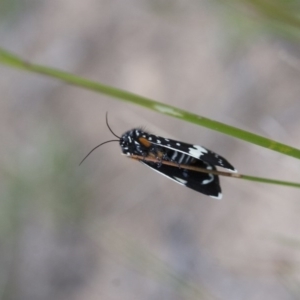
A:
207, 184
195, 151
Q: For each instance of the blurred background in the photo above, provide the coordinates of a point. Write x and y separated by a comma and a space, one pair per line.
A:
111, 228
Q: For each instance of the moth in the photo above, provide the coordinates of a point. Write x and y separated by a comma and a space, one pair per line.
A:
158, 153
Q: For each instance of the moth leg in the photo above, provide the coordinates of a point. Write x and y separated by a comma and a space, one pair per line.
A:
144, 156
159, 161
160, 156
165, 157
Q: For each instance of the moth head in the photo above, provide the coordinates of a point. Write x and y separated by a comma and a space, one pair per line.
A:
129, 142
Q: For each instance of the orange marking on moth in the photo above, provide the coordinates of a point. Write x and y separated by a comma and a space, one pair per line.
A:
144, 142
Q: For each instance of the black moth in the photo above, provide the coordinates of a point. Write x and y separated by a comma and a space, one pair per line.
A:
143, 144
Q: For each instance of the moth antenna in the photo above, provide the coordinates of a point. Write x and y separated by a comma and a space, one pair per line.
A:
109, 126
96, 148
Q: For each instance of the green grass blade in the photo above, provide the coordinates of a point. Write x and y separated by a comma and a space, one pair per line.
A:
270, 181
14, 61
